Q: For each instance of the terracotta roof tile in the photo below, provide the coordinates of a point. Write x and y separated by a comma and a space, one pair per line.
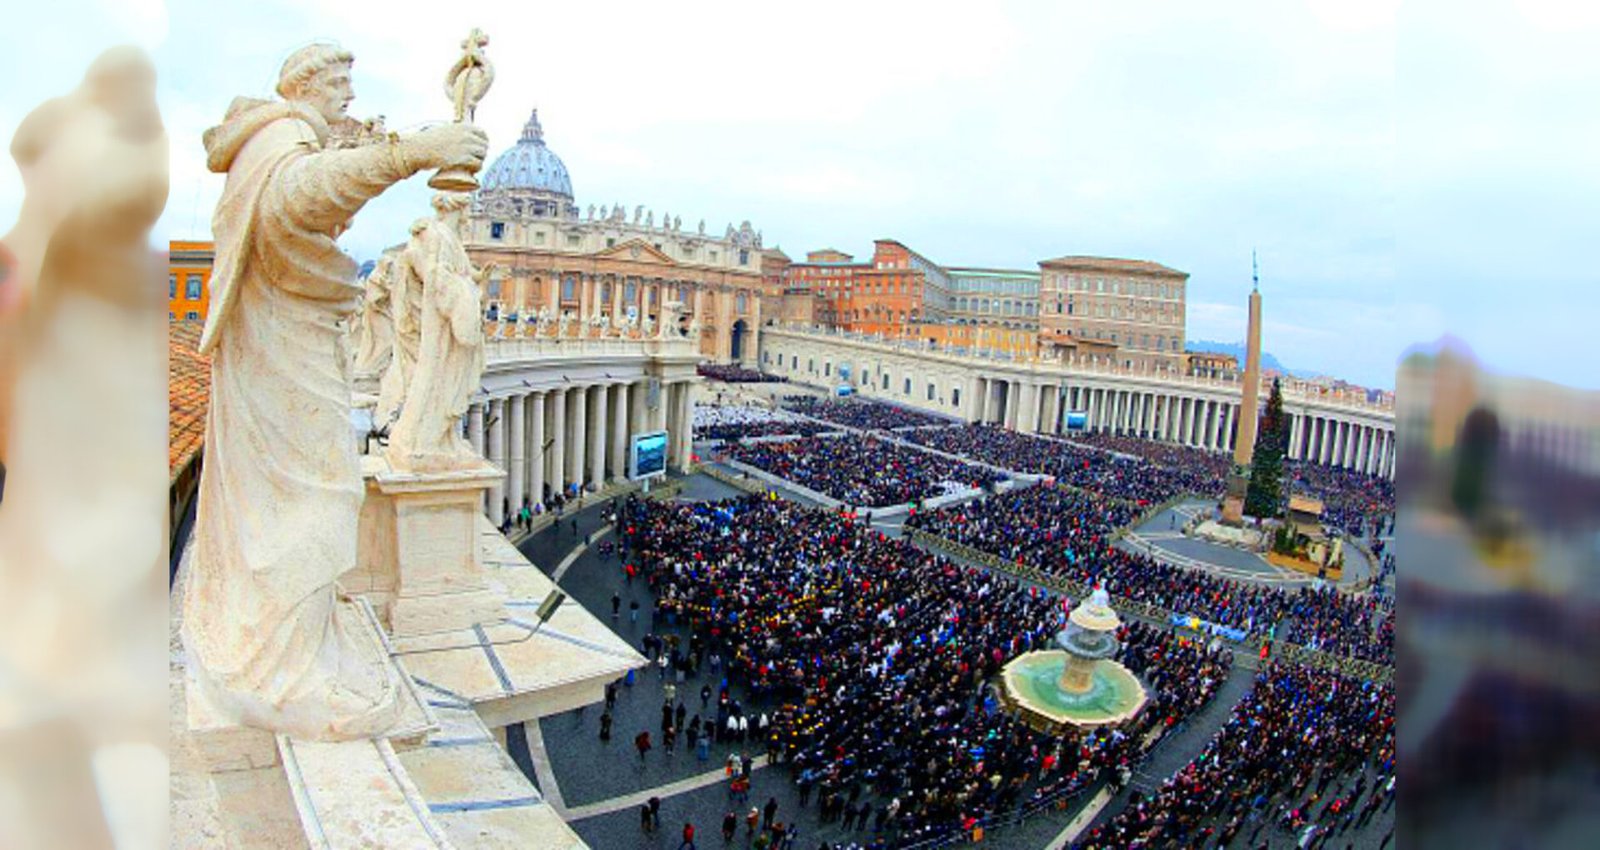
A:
188, 394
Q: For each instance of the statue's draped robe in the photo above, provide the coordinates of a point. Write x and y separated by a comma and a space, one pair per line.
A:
405, 305
376, 334
281, 488
449, 364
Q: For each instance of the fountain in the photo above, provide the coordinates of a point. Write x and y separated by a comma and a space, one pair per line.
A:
1077, 687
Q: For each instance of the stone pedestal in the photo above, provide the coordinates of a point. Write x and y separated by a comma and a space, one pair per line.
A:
439, 583
1233, 502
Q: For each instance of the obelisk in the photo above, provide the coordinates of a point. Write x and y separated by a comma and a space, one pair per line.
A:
1244, 447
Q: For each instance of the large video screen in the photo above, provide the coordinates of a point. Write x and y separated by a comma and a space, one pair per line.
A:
1077, 421
649, 455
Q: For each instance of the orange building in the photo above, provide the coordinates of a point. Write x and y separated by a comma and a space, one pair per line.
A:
189, 279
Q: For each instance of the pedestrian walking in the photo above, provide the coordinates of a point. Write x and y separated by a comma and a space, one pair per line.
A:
688, 837
768, 812
611, 695
750, 822
633, 611
644, 818
730, 826
642, 743
605, 726
705, 695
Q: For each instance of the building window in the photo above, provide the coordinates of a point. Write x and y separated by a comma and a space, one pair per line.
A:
930, 392
908, 387
191, 315
955, 397
172, 286
538, 237
191, 287
572, 239
744, 257
497, 230
885, 377
827, 368
713, 256
610, 242
569, 289
630, 293
741, 300
494, 288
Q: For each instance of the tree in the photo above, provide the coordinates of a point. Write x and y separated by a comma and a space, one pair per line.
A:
1265, 496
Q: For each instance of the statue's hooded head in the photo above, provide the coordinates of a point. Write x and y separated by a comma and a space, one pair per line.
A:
318, 75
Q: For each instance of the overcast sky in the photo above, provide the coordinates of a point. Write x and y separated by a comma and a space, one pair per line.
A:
1402, 172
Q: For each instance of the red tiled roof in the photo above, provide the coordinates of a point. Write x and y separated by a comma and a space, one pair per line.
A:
1111, 264
188, 394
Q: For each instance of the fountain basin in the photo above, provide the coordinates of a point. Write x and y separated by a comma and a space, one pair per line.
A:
1031, 686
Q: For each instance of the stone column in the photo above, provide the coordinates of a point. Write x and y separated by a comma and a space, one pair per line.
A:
557, 469
519, 459
975, 400
475, 427
619, 432
497, 456
552, 286
598, 427
578, 412
683, 420
637, 423
536, 451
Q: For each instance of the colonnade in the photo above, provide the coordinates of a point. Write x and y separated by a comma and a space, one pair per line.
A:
1197, 421
557, 439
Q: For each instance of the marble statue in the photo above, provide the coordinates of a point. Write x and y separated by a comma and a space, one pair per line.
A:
591, 212
648, 328
672, 314
638, 213
268, 641
649, 219
427, 437
565, 324
83, 359
604, 213
375, 334
546, 320
405, 313
677, 222
702, 227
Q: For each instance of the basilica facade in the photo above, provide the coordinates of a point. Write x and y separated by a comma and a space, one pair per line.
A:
546, 253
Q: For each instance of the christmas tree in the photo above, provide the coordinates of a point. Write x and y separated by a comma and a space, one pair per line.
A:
1265, 496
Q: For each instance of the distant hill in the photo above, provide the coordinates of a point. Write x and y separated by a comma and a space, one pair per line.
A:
1237, 350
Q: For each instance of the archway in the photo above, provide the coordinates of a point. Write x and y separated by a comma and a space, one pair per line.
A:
736, 341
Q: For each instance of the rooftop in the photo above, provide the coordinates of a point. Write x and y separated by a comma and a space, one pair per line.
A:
188, 394
1110, 264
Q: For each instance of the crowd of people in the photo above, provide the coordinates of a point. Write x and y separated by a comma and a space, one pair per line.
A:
865, 471
1170, 455
734, 422
1295, 756
861, 413
1067, 533
733, 373
1134, 480
1352, 502
872, 658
